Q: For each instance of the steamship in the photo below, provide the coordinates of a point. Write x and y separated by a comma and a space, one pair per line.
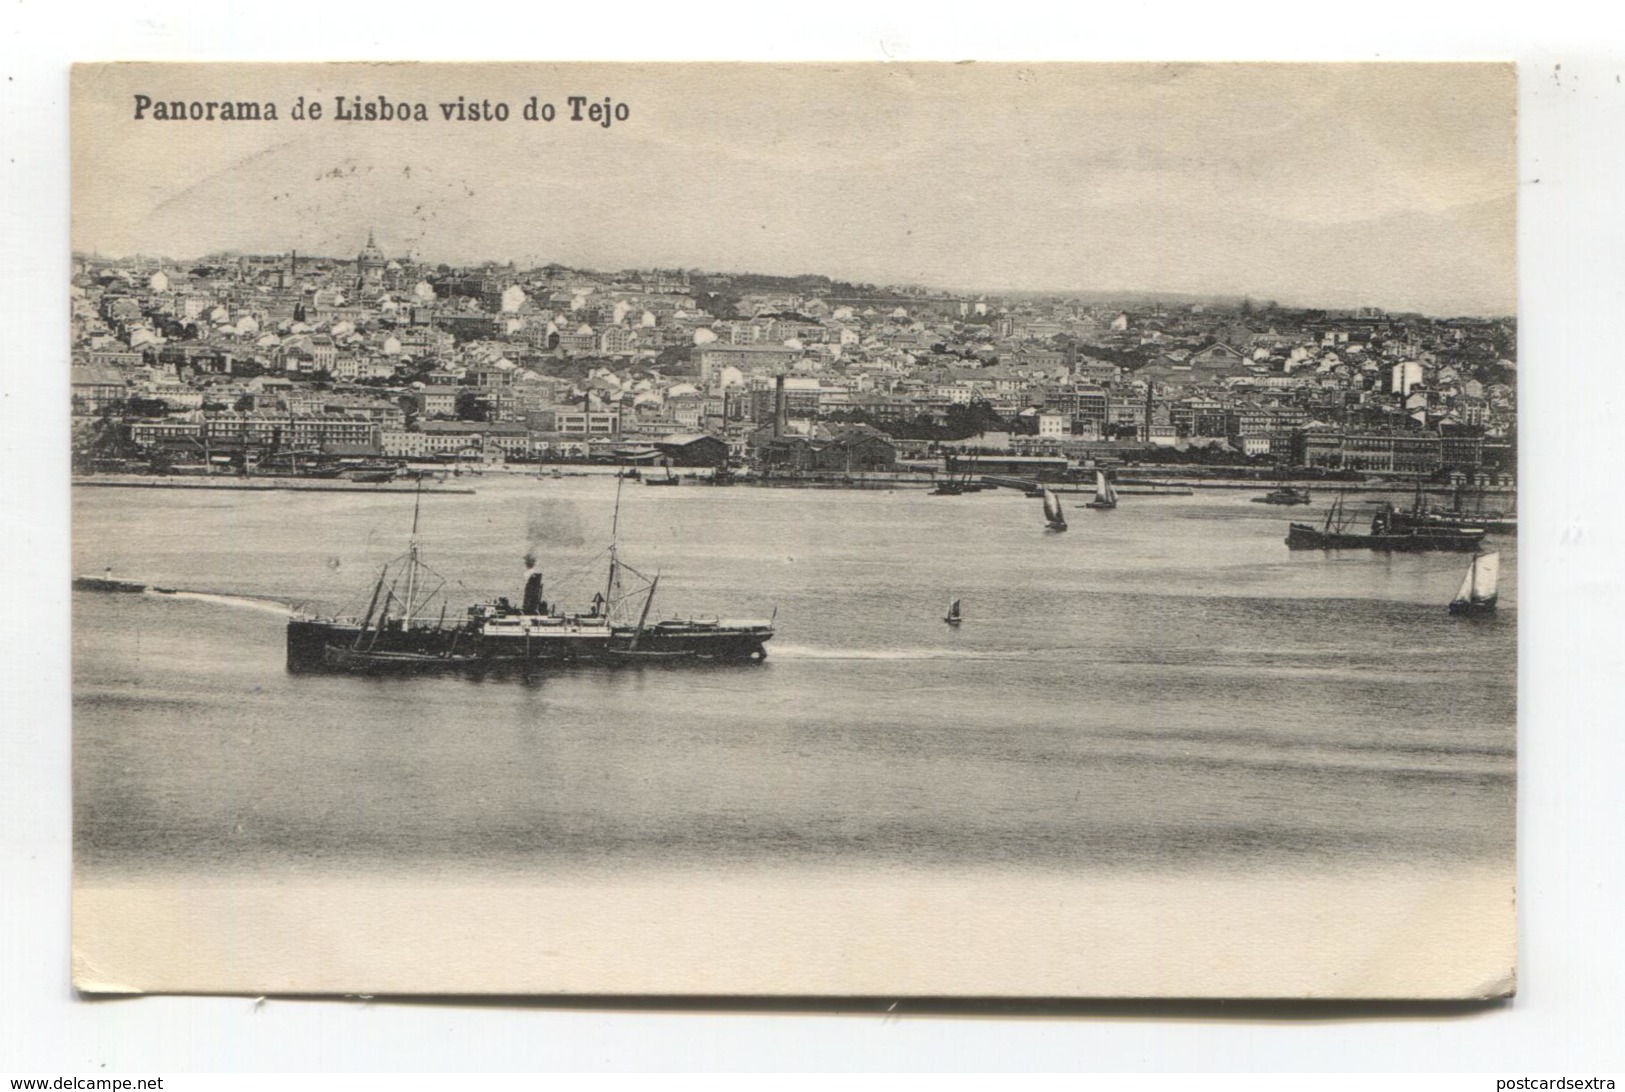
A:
1385, 534
401, 632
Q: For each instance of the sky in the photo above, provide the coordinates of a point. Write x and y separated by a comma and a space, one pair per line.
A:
1333, 185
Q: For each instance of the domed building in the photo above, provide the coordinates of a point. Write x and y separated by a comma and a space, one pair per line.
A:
370, 265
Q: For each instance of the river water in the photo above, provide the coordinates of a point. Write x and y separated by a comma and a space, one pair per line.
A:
1163, 688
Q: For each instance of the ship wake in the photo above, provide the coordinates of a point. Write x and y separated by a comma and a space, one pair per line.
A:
269, 606
807, 652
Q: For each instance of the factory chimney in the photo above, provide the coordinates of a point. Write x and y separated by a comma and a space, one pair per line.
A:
780, 414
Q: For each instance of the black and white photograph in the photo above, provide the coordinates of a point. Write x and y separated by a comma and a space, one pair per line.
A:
980, 530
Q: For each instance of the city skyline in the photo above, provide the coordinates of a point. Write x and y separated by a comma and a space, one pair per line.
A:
1339, 186
1127, 298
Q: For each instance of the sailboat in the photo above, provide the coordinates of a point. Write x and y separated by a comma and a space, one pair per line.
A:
951, 484
952, 617
1052, 512
1105, 495
1478, 592
669, 479
969, 483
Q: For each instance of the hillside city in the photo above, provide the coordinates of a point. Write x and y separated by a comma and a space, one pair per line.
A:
288, 362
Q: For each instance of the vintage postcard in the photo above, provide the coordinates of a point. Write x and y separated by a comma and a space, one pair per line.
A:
1081, 559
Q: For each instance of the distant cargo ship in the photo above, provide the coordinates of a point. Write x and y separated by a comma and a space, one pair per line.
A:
398, 633
1385, 535
1454, 518
1445, 520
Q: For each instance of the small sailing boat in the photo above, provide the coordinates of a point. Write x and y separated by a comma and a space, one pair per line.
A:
1478, 591
969, 483
669, 479
1052, 512
1105, 495
952, 617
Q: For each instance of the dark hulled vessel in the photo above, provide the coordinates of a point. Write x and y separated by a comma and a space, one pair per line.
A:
397, 633
1455, 518
1384, 535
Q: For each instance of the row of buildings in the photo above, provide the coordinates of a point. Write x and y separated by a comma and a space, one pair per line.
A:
411, 361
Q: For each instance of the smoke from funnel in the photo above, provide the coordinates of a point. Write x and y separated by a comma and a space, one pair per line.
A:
551, 525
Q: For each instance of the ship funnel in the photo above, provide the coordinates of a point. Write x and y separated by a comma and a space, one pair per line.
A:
533, 594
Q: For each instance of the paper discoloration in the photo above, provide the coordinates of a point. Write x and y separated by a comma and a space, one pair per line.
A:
1160, 755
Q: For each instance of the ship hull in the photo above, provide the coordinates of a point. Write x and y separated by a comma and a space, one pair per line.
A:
1473, 607
309, 641
349, 660
316, 646
1301, 536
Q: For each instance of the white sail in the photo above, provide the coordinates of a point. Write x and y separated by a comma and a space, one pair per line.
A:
1465, 593
1103, 494
1485, 574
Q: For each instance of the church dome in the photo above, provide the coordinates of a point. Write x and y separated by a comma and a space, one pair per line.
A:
370, 254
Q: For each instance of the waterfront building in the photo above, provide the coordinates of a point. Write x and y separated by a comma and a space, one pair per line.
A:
276, 430
680, 449
1385, 452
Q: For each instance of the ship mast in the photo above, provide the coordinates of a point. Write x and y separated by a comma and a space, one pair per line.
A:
614, 533
412, 560
644, 617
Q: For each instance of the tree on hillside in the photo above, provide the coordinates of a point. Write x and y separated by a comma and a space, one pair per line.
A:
471, 406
